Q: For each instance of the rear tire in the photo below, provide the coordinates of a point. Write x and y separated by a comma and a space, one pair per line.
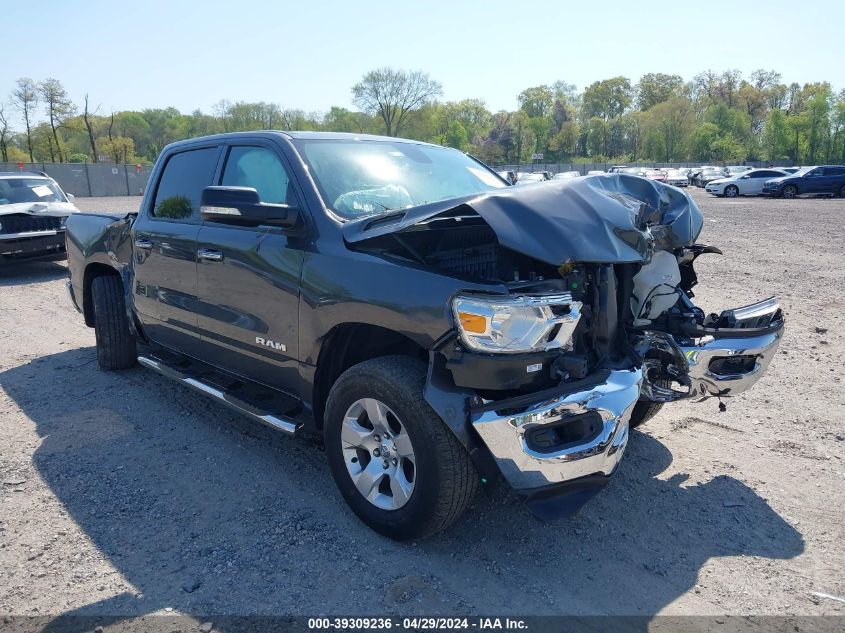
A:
444, 480
731, 191
115, 344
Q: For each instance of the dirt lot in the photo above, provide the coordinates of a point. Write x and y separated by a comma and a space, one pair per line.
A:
121, 493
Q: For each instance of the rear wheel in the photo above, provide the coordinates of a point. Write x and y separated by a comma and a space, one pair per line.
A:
731, 191
397, 465
115, 344
790, 191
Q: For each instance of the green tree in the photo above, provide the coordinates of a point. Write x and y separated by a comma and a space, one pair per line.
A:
655, 88
776, 135
58, 108
536, 102
394, 95
667, 128
607, 99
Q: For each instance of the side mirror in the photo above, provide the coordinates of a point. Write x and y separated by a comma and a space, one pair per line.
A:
243, 206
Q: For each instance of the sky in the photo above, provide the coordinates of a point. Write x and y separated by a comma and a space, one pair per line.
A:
136, 54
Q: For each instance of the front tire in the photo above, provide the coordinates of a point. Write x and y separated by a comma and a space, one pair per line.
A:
644, 411
397, 465
731, 191
790, 192
116, 347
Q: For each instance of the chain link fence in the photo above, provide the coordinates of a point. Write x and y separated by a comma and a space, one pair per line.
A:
91, 179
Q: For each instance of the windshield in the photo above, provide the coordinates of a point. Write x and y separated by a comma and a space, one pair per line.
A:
803, 171
361, 178
17, 190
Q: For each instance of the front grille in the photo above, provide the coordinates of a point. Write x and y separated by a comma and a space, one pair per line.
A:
24, 223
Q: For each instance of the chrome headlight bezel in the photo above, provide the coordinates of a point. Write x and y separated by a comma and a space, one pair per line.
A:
516, 324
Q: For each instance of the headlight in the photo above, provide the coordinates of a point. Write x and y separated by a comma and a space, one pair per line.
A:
515, 324
63, 222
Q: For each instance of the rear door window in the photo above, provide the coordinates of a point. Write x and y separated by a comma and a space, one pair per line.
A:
185, 175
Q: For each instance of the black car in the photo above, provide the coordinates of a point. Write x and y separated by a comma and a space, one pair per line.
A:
821, 180
437, 329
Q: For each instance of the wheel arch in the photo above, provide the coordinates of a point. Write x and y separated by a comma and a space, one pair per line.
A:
348, 344
92, 271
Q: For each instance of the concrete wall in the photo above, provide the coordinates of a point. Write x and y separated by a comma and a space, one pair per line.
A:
98, 179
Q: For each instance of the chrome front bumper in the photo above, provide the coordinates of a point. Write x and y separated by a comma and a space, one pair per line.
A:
524, 467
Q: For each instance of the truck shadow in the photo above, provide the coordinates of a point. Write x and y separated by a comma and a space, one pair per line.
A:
14, 273
206, 513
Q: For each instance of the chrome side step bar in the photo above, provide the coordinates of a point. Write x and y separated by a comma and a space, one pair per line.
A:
279, 422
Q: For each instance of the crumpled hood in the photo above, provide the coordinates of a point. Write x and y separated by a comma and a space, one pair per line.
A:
612, 218
51, 209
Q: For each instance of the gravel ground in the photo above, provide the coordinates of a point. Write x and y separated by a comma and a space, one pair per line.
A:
123, 493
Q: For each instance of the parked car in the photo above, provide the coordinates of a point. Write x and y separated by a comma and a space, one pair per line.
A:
617, 169
731, 170
694, 172
748, 183
508, 175
677, 178
635, 171
596, 172
656, 174
529, 179
33, 212
435, 327
824, 179
566, 175
703, 177
789, 170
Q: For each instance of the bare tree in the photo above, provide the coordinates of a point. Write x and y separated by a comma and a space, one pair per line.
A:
4, 133
87, 117
394, 94
25, 99
58, 106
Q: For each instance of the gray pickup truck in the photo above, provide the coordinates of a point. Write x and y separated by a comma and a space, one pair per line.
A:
438, 328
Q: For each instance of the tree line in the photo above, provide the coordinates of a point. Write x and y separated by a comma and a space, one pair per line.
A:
714, 117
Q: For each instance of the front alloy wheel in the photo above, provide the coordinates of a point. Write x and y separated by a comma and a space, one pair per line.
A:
396, 463
731, 191
378, 453
790, 191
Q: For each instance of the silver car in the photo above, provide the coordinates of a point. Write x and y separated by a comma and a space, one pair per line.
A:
33, 212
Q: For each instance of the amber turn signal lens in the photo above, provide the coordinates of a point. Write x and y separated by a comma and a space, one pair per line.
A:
474, 323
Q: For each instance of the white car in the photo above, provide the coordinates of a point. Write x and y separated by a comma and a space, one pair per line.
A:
677, 177
596, 172
566, 175
748, 183
33, 212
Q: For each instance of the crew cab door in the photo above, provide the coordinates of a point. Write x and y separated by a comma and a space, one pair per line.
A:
248, 277
164, 249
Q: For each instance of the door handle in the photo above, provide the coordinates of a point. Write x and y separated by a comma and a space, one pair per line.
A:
210, 255
143, 243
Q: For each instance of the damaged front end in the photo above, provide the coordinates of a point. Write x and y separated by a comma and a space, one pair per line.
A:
589, 313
